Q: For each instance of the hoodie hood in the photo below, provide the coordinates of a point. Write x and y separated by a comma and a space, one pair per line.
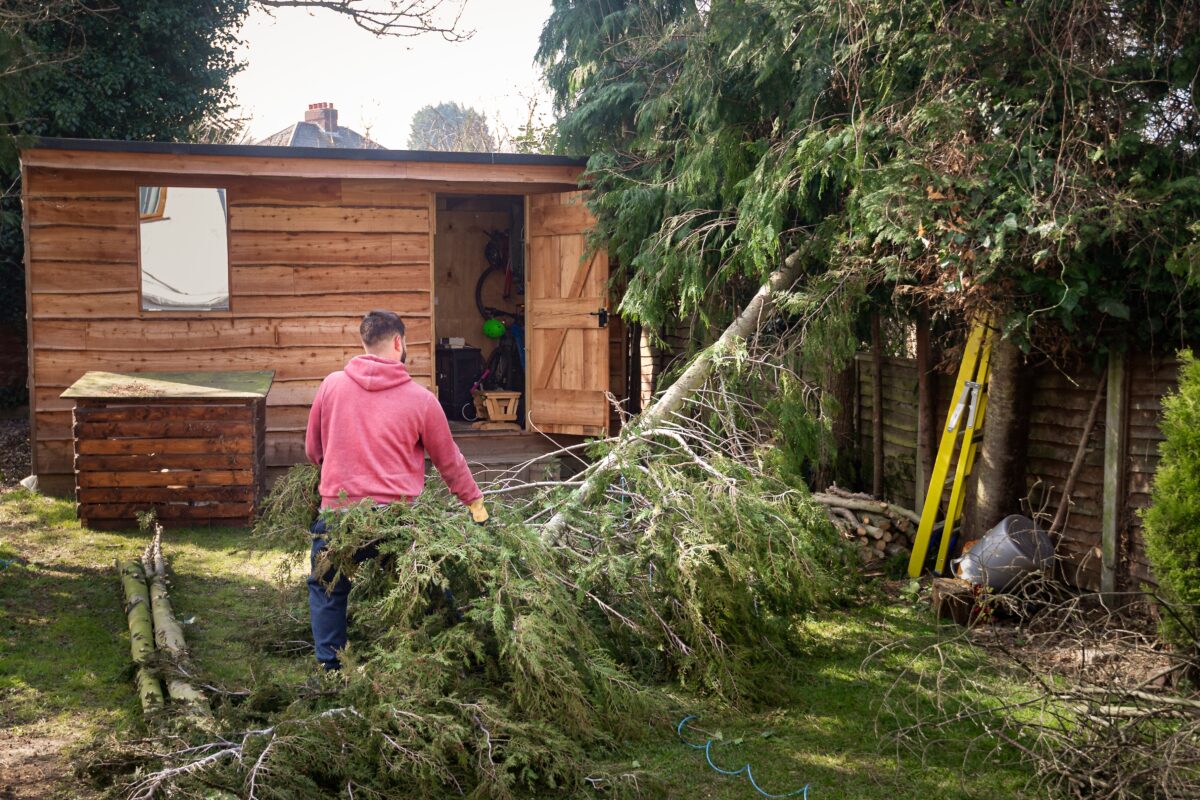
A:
376, 374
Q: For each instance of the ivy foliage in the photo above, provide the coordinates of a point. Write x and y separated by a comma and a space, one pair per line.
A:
1035, 160
105, 69
1172, 522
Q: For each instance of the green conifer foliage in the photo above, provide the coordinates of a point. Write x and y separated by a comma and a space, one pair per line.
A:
1038, 160
1172, 523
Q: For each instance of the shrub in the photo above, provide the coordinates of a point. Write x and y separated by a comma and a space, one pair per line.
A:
1172, 522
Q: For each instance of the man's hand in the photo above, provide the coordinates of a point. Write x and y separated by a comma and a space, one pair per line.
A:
479, 513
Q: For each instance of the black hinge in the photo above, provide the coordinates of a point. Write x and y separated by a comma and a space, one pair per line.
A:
603, 315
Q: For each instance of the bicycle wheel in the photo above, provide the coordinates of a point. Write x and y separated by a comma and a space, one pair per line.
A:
489, 293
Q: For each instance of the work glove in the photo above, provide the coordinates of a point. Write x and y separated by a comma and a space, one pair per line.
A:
479, 514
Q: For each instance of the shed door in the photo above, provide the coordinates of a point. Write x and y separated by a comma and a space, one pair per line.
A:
566, 316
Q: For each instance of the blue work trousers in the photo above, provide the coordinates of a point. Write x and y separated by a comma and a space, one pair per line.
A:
327, 602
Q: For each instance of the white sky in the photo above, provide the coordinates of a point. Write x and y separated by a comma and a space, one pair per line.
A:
295, 58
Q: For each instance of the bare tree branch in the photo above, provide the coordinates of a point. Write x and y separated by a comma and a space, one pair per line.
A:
399, 18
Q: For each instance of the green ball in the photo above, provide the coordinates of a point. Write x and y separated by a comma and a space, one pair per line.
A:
493, 329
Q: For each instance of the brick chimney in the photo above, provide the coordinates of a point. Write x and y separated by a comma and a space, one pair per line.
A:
324, 114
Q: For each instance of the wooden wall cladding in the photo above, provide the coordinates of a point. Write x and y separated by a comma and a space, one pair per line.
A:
308, 256
198, 461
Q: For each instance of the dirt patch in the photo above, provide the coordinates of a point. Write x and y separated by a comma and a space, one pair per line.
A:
31, 766
14, 455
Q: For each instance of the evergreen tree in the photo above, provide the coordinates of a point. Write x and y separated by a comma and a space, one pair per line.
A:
1035, 163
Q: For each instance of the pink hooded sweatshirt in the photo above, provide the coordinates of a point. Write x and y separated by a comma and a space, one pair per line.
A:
369, 429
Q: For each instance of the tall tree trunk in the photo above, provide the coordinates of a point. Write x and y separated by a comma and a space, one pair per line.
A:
838, 388
926, 419
999, 471
876, 408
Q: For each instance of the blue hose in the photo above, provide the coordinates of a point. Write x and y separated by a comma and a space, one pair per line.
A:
707, 748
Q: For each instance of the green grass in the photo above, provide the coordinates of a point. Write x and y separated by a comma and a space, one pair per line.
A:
64, 670
65, 675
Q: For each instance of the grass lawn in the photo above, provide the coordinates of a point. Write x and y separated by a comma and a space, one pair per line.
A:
65, 678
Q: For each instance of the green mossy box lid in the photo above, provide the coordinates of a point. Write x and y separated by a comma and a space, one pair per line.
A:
170, 385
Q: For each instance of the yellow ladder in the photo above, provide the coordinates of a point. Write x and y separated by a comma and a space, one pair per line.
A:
967, 407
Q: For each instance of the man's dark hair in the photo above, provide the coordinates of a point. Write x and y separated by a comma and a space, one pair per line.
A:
379, 325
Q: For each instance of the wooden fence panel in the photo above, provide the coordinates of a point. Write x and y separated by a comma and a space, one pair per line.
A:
1057, 415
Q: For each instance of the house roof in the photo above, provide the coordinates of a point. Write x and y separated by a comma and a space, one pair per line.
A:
310, 134
276, 152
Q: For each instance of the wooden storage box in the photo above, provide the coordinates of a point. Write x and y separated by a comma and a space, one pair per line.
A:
189, 446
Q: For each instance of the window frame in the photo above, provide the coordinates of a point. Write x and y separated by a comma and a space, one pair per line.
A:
191, 313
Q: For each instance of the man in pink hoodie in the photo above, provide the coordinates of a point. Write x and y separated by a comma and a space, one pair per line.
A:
369, 429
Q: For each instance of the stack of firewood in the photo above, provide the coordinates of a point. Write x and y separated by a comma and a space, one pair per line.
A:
880, 530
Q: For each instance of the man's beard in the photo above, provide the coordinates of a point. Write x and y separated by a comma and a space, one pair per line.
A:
404, 354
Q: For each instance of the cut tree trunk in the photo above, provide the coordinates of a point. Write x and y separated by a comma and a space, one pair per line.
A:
141, 632
673, 399
999, 471
168, 633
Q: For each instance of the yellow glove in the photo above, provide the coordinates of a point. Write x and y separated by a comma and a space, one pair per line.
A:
479, 514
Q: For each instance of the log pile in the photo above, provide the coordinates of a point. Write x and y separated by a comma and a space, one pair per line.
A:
879, 530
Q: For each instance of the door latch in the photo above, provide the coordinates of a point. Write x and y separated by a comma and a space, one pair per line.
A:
603, 316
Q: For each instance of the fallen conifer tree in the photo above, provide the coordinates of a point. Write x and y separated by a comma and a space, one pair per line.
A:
493, 661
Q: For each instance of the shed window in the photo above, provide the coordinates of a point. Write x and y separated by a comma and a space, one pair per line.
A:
184, 248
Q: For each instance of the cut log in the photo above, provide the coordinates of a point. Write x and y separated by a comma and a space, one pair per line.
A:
876, 506
168, 634
141, 632
672, 400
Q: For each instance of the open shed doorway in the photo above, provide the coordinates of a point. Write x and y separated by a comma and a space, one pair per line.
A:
479, 305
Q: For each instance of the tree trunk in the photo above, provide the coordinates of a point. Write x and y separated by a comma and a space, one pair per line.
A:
676, 395
876, 408
927, 433
1000, 465
837, 405
141, 632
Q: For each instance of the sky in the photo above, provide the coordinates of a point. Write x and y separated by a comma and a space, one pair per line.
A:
294, 58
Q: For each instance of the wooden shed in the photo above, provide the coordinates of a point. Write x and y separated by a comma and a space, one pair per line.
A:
151, 257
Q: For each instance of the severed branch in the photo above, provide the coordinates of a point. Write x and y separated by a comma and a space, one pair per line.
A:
673, 399
872, 506
397, 18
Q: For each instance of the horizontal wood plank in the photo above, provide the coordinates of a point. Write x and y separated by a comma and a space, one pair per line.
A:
335, 219
213, 477
174, 446
318, 280
157, 462
78, 277
164, 494
84, 211
150, 412
78, 243
403, 303
269, 247
163, 428
76, 306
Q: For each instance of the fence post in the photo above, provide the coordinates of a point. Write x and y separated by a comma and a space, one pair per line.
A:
1114, 462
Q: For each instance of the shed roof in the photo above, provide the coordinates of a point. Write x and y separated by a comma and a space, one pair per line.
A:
331, 153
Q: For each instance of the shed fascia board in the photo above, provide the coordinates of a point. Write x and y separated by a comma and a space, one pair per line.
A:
302, 162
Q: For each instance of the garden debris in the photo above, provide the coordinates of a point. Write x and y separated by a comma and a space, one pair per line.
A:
879, 530
493, 660
1102, 710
